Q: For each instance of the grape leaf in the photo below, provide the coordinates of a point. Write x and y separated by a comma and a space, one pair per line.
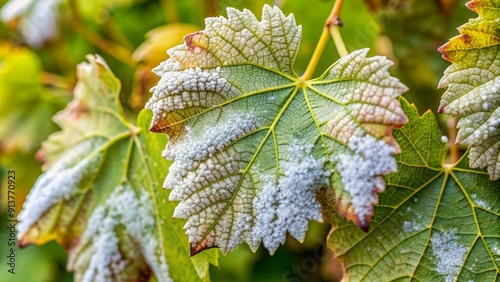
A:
252, 142
25, 105
435, 222
99, 197
35, 19
152, 52
472, 83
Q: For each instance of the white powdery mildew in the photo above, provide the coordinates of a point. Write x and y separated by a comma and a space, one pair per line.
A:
37, 19
362, 172
189, 151
287, 204
192, 87
449, 253
57, 184
240, 39
410, 226
122, 208
479, 202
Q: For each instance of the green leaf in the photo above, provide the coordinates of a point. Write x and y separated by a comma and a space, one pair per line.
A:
472, 84
435, 222
25, 105
252, 142
99, 197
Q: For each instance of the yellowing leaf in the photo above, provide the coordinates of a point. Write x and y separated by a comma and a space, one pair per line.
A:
99, 197
152, 51
435, 222
472, 84
252, 142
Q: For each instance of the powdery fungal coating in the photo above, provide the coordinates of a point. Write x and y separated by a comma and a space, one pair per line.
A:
472, 85
192, 168
288, 203
191, 78
241, 38
190, 88
37, 19
366, 88
449, 254
238, 171
362, 173
108, 261
410, 226
47, 192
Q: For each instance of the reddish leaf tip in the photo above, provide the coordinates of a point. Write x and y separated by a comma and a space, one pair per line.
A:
195, 248
22, 243
364, 226
440, 109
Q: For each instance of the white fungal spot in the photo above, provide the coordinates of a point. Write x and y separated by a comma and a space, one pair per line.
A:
361, 172
409, 226
448, 252
137, 216
191, 87
479, 202
287, 204
57, 184
190, 150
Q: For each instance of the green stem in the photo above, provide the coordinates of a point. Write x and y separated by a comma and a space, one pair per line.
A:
454, 151
170, 11
337, 39
316, 55
332, 23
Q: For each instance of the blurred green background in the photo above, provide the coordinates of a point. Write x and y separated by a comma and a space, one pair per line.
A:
36, 81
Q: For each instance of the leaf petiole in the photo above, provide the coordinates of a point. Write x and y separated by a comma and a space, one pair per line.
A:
331, 27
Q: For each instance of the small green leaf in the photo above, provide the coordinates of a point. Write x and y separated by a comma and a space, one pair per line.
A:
472, 84
252, 142
99, 197
435, 222
25, 105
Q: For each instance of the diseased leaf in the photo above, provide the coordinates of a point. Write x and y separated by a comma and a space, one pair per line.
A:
99, 197
35, 19
435, 221
472, 84
152, 52
252, 142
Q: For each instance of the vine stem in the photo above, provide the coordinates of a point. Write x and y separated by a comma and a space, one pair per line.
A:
170, 10
331, 28
452, 129
119, 52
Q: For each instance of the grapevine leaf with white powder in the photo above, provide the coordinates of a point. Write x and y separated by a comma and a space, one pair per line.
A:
251, 143
36, 20
472, 85
435, 222
99, 196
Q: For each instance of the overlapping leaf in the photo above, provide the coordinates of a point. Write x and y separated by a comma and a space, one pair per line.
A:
472, 83
435, 222
252, 143
99, 197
